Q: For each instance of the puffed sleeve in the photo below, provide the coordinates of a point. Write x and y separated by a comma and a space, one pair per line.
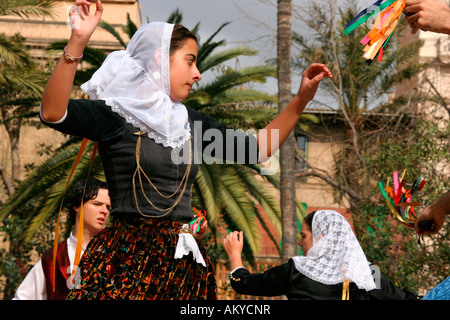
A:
91, 119
221, 142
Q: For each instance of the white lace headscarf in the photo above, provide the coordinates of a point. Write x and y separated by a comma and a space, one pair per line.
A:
137, 86
336, 254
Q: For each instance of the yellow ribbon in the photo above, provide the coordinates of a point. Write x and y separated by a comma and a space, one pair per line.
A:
80, 228
346, 290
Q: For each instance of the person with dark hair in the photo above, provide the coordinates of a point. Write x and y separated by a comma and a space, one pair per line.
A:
333, 266
38, 284
149, 143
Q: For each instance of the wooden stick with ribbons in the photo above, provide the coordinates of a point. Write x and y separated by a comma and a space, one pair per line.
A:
399, 199
389, 13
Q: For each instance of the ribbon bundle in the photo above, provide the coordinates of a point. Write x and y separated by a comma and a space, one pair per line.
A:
389, 13
197, 221
399, 199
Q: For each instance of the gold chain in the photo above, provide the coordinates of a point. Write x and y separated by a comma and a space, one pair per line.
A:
139, 170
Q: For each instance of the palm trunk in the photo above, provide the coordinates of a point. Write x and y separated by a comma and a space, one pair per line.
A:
287, 151
352, 170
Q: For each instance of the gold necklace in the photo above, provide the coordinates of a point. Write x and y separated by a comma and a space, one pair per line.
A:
139, 170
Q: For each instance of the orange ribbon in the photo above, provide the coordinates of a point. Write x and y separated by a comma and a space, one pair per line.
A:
81, 223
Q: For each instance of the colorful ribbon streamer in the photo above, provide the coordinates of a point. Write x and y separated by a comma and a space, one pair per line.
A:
399, 199
196, 223
388, 16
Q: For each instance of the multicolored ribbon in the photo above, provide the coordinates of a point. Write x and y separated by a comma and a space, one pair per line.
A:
196, 223
399, 199
389, 13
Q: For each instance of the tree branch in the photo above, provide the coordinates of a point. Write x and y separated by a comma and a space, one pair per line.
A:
6, 180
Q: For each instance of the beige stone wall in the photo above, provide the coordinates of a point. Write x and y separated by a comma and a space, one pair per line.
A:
41, 32
436, 51
322, 145
30, 140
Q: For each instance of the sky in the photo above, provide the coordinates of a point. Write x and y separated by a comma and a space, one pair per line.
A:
211, 14
252, 23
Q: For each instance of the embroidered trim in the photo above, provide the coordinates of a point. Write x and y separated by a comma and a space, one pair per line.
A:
234, 279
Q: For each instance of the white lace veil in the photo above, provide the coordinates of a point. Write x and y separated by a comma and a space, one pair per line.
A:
136, 85
336, 254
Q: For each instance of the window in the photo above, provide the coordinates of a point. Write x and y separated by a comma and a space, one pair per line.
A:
302, 148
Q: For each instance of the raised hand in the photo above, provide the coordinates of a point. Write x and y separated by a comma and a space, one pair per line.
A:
311, 78
82, 21
59, 87
233, 243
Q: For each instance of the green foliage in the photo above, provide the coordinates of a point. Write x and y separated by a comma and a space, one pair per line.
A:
27, 8
395, 249
390, 244
382, 136
422, 150
16, 262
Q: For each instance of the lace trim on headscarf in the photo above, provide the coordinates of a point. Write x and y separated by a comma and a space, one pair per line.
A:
336, 254
137, 86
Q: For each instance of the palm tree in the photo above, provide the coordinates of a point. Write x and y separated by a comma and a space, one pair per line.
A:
287, 150
21, 86
21, 83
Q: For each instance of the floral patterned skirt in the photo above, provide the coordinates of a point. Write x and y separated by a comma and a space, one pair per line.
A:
135, 261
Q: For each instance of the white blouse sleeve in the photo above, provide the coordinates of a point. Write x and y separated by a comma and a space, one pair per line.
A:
33, 287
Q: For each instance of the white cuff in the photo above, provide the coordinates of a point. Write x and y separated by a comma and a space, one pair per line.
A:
186, 243
56, 122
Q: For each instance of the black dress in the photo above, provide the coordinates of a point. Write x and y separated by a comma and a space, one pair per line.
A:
287, 280
116, 138
134, 259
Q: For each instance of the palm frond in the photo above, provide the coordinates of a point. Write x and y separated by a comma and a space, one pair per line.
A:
261, 194
108, 27
209, 46
206, 184
130, 28
92, 56
214, 60
24, 81
12, 51
175, 17
238, 205
267, 230
236, 78
50, 207
246, 116
44, 178
27, 8
241, 96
